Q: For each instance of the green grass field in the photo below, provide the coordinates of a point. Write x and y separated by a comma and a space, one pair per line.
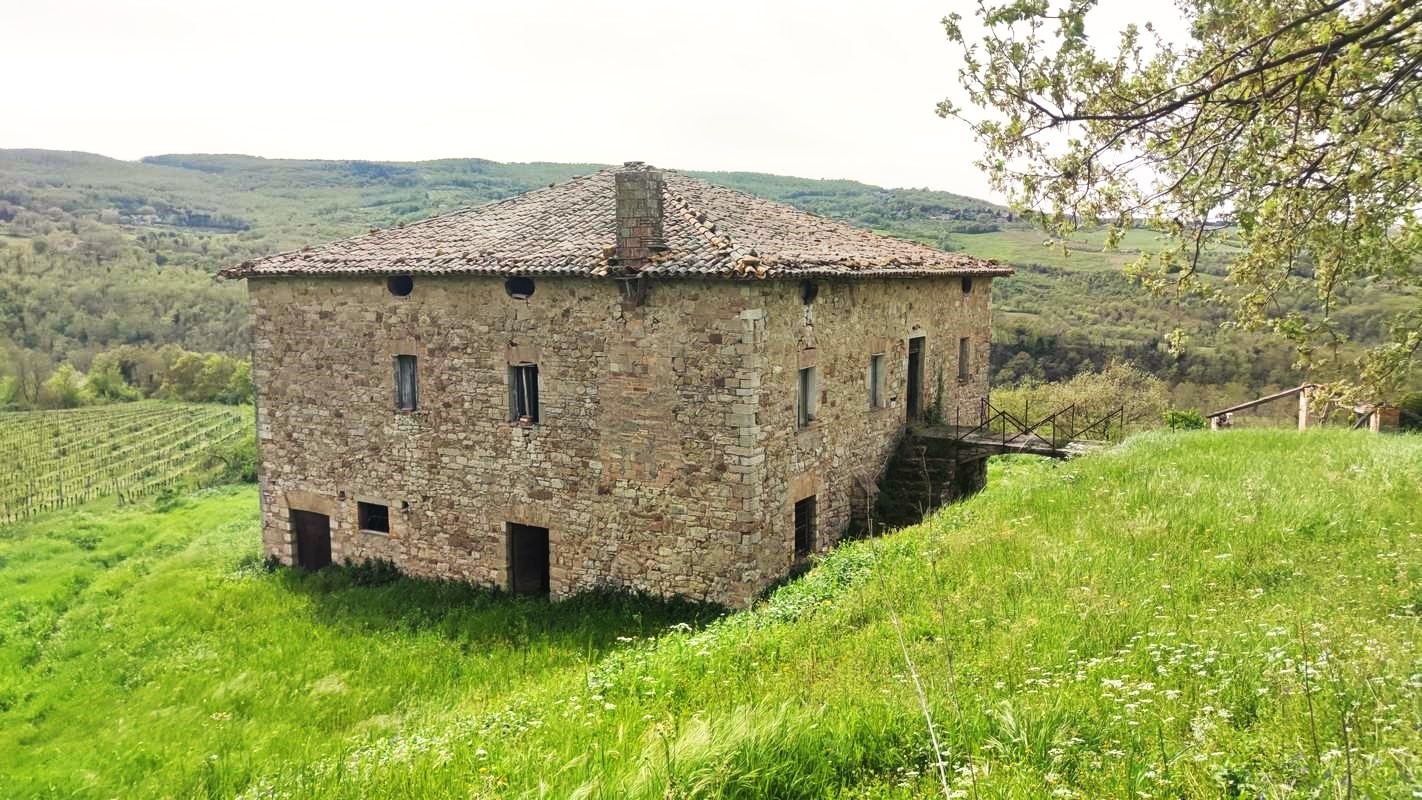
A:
1086, 252
56, 459
1194, 615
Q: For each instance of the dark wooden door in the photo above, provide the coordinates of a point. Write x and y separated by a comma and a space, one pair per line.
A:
528, 560
313, 539
915, 377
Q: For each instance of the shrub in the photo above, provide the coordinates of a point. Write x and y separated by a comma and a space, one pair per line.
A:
237, 460
169, 498
1183, 419
372, 572
106, 381
1410, 412
1139, 395
64, 388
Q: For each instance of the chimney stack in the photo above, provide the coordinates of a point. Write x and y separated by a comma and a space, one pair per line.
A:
639, 215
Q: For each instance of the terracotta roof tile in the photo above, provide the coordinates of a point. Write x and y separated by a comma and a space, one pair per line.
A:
568, 229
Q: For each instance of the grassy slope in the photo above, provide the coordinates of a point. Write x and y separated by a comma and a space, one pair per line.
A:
1138, 621
1133, 622
148, 654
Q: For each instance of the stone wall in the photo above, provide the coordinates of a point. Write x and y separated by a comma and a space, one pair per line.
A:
838, 457
666, 459
633, 468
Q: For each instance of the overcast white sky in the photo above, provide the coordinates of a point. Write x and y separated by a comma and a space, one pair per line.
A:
816, 89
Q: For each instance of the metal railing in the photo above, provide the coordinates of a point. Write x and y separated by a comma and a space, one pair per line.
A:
1065, 426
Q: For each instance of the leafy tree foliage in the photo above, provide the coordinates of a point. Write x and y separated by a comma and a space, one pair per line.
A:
1284, 134
64, 388
106, 381
125, 374
1410, 412
1183, 419
1141, 396
75, 283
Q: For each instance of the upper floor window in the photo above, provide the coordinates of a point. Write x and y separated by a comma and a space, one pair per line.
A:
523, 393
400, 285
967, 284
807, 387
406, 383
876, 380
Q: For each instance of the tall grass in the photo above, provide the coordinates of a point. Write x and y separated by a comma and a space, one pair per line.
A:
149, 653
1187, 615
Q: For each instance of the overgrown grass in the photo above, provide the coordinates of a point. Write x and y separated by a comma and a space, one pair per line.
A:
146, 653
1188, 615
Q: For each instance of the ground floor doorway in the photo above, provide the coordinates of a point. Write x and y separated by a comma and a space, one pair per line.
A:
528, 560
914, 402
313, 539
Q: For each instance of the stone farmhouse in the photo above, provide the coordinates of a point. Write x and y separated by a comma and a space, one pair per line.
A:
633, 379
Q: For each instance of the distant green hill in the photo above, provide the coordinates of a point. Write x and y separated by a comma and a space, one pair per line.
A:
96, 252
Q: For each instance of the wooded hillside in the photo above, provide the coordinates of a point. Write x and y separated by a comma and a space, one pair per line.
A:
96, 253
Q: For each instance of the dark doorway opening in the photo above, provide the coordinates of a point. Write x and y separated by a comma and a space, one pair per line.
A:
915, 377
805, 527
528, 560
313, 539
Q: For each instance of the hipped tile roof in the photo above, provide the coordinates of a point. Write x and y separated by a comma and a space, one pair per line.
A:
569, 229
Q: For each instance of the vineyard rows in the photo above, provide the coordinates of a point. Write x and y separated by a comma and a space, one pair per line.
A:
55, 459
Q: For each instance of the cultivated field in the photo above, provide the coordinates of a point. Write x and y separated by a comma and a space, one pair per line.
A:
55, 459
1187, 615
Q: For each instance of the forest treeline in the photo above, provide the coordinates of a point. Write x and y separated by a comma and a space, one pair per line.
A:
98, 254
125, 374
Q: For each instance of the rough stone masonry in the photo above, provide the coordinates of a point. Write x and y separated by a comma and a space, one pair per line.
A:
716, 377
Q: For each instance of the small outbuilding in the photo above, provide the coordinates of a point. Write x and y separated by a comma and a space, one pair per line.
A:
633, 379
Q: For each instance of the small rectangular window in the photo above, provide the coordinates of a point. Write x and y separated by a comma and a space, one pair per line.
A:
523, 393
374, 517
406, 383
806, 389
914, 403
876, 380
963, 366
805, 527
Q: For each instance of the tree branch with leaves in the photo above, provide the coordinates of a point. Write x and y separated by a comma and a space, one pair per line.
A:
1284, 136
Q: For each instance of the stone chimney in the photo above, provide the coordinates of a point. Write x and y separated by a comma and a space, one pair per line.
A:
639, 215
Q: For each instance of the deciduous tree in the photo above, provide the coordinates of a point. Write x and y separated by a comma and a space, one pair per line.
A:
1285, 134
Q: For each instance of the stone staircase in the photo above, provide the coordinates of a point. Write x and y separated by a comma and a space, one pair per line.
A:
923, 474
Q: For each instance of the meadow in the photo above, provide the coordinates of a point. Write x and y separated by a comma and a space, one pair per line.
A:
1184, 615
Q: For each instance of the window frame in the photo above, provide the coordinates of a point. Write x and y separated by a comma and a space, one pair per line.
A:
877, 382
807, 387
364, 509
807, 533
524, 406
414, 394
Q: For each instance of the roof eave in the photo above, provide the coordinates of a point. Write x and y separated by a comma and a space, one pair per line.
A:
667, 270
